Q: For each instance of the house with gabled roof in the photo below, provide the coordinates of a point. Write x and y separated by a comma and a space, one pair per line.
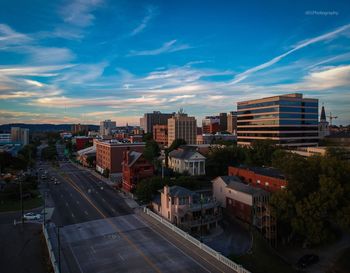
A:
188, 160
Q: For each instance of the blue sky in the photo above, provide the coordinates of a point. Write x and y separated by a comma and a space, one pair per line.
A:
85, 61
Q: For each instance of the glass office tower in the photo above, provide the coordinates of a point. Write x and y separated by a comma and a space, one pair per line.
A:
289, 120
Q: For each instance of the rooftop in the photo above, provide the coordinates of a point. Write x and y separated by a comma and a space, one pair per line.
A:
184, 153
179, 191
267, 171
233, 182
133, 156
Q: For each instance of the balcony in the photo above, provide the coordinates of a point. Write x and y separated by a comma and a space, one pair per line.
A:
207, 219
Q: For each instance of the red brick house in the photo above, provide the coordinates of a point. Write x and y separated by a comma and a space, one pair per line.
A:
135, 167
269, 179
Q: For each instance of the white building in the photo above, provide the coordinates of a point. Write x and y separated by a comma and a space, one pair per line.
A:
5, 138
20, 135
187, 160
106, 127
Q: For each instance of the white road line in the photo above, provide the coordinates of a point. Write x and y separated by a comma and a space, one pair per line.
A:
86, 212
73, 215
93, 250
66, 204
121, 257
78, 202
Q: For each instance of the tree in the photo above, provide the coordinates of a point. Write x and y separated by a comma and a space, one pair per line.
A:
90, 160
176, 144
147, 137
151, 151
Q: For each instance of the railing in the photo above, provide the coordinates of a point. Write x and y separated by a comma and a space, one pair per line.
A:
53, 259
206, 220
238, 268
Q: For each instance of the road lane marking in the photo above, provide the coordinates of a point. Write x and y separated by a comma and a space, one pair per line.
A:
78, 202
93, 249
121, 257
122, 234
86, 212
73, 215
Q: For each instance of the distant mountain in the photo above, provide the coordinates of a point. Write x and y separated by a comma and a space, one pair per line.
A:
6, 128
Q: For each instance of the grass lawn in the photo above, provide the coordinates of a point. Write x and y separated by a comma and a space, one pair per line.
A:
13, 205
342, 264
263, 259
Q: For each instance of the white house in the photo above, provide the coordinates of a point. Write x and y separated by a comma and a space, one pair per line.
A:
187, 160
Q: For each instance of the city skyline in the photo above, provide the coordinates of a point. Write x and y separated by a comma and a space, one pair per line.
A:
87, 61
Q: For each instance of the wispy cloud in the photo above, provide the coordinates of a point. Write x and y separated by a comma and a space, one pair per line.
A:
150, 13
8, 36
79, 12
327, 36
171, 46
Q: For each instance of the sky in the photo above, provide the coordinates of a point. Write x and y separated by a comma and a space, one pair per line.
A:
82, 61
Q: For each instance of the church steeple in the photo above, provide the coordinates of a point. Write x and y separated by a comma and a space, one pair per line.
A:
323, 114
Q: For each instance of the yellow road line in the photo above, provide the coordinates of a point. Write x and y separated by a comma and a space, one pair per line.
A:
126, 238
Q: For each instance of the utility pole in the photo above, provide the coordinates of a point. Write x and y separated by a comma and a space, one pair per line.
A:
59, 249
21, 196
44, 208
201, 228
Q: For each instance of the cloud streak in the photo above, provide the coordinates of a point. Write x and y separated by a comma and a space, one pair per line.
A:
168, 47
150, 13
327, 36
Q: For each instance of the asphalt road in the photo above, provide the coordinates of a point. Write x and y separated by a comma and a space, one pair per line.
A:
100, 233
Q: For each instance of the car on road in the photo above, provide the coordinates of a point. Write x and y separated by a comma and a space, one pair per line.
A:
43, 177
31, 216
57, 182
307, 260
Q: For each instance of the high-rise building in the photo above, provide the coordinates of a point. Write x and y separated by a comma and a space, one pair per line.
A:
181, 126
106, 127
156, 118
211, 124
323, 125
20, 135
232, 122
79, 128
289, 120
223, 121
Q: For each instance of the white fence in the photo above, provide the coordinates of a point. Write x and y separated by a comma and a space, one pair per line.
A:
51, 251
238, 268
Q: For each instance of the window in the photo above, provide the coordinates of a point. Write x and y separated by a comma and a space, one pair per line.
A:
258, 181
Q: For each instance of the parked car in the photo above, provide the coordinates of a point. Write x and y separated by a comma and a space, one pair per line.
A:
57, 182
43, 177
307, 260
31, 216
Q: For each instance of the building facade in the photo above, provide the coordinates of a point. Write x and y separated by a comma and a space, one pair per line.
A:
269, 179
109, 154
20, 135
246, 203
150, 119
160, 134
288, 120
106, 127
135, 168
211, 125
181, 126
188, 210
79, 128
82, 142
223, 121
5, 138
184, 160
232, 122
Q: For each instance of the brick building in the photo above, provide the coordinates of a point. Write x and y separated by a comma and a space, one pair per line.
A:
135, 168
160, 134
211, 125
82, 142
269, 179
109, 154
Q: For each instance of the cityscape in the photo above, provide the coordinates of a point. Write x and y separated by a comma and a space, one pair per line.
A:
174, 136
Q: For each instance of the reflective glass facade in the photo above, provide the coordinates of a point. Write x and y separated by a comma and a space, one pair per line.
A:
288, 119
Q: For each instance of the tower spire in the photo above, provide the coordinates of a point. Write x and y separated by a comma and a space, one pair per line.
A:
323, 114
